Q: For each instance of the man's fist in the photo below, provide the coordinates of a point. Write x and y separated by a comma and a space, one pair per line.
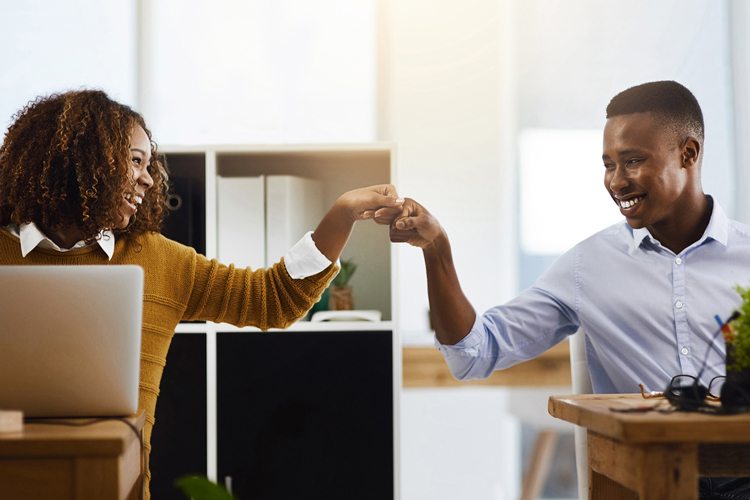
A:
415, 226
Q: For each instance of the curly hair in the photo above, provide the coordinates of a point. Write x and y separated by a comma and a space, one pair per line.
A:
66, 162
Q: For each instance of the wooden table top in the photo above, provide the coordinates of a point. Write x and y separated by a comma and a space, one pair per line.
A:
598, 413
51, 437
425, 367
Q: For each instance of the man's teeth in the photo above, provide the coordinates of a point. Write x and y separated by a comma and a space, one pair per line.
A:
631, 202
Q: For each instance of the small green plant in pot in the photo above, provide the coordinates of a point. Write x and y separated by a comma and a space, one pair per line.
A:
736, 389
341, 298
201, 488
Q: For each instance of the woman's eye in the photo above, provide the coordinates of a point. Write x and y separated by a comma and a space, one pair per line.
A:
137, 160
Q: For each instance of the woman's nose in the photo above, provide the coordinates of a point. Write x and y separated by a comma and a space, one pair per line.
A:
144, 178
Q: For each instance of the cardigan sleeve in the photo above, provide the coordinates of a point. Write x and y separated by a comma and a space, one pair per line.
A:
266, 298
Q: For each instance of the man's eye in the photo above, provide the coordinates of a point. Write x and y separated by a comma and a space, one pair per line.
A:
634, 161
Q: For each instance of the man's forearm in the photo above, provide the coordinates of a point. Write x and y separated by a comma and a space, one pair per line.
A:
452, 313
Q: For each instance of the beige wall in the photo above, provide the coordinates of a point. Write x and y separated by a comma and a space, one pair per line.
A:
444, 87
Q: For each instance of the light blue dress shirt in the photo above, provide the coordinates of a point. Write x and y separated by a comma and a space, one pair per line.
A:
648, 314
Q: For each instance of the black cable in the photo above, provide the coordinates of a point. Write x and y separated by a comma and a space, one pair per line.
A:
734, 316
691, 397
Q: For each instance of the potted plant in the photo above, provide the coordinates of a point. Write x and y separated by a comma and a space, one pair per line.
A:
202, 488
735, 392
340, 295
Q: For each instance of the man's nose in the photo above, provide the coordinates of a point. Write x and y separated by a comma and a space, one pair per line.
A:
618, 180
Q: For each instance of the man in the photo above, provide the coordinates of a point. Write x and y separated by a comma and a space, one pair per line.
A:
646, 291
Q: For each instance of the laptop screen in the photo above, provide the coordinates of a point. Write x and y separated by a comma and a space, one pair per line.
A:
70, 340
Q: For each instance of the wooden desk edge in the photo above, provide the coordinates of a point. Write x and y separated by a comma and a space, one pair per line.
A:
647, 427
47, 438
425, 367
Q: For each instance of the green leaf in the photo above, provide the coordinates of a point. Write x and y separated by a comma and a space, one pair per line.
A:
345, 273
741, 326
201, 488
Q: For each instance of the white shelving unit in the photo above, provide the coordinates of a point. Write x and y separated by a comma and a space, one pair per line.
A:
339, 168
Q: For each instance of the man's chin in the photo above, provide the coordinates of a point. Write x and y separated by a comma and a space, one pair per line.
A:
635, 223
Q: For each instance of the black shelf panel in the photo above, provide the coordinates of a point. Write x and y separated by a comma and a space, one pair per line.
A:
304, 415
179, 437
186, 220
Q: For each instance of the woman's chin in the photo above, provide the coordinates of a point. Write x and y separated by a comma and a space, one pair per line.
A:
124, 222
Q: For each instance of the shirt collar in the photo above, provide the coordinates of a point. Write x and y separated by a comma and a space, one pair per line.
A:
31, 237
717, 229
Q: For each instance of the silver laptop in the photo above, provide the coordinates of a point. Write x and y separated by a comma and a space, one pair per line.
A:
70, 340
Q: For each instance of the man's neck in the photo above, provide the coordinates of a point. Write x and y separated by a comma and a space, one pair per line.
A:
680, 234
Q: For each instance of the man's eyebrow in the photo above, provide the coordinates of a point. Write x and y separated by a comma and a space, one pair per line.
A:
624, 152
627, 152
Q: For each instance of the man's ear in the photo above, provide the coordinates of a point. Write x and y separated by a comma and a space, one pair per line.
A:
691, 150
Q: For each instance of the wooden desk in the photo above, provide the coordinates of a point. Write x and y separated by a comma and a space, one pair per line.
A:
51, 461
425, 367
654, 455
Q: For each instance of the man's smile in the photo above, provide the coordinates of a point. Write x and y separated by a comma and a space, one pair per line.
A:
630, 202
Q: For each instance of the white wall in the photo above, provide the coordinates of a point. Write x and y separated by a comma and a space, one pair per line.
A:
739, 22
574, 56
445, 102
253, 71
446, 106
48, 46
454, 445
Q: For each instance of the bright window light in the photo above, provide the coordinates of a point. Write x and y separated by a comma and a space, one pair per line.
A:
562, 199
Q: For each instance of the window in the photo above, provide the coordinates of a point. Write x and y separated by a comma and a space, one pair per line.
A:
562, 197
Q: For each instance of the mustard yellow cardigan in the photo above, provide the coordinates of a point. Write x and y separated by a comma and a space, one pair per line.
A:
181, 284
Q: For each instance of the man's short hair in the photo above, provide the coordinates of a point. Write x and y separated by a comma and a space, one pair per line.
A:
671, 101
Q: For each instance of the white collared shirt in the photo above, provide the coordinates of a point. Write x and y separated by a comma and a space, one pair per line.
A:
31, 237
302, 260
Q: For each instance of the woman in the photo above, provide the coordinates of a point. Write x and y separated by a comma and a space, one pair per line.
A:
81, 183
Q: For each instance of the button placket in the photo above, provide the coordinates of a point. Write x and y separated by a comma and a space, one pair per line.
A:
679, 309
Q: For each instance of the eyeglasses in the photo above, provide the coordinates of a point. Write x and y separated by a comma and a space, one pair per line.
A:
686, 393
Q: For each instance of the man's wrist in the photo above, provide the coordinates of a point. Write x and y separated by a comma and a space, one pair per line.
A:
437, 247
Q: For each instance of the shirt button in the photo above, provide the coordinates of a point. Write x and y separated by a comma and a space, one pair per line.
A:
678, 304
678, 261
684, 351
